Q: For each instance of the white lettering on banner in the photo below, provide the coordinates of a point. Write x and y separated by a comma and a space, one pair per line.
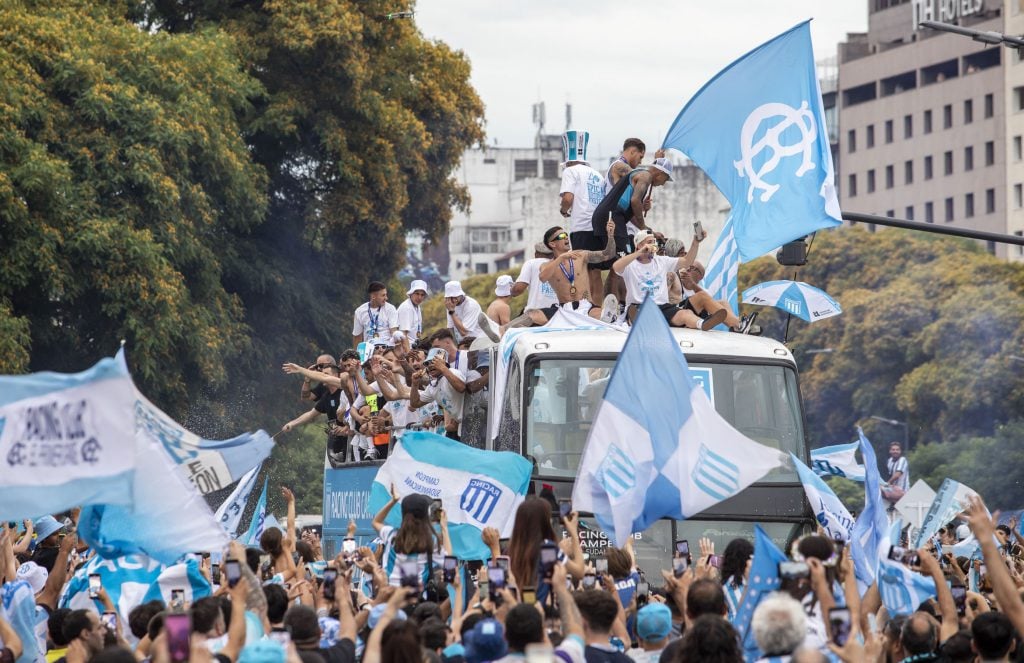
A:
349, 504
943, 11
207, 471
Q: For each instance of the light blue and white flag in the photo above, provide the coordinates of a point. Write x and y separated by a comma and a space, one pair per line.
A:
950, 501
210, 465
673, 457
721, 280
477, 488
762, 581
758, 130
18, 608
829, 511
871, 530
132, 580
259, 519
838, 460
229, 514
902, 590
66, 439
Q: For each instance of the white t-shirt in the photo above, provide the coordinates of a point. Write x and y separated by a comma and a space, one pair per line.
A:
541, 294
587, 188
410, 320
648, 279
468, 313
376, 323
440, 391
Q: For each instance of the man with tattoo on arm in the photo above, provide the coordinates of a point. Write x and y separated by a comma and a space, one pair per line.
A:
567, 272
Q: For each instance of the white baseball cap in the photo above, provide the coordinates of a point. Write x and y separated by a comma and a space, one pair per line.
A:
664, 165
34, 575
642, 237
453, 289
503, 287
418, 285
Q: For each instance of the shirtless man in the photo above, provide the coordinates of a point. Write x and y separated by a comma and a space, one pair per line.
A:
499, 310
566, 273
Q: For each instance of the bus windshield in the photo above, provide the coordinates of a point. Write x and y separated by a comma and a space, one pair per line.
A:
759, 400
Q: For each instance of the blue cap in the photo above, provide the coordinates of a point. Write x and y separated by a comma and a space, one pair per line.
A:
45, 527
486, 642
654, 622
574, 145
377, 611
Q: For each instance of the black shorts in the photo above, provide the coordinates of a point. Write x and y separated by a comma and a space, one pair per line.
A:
549, 312
687, 306
669, 311
582, 239
623, 246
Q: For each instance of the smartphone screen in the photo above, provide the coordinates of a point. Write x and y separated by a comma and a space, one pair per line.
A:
330, 577
589, 581
679, 567
109, 620
409, 573
959, 598
548, 558
215, 573
94, 585
715, 561
503, 563
451, 565
177, 599
529, 595
564, 508
903, 555
839, 621
601, 564
793, 570
233, 570
682, 548
177, 626
348, 546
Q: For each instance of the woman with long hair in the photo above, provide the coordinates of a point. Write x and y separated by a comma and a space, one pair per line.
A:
413, 539
531, 528
735, 565
280, 545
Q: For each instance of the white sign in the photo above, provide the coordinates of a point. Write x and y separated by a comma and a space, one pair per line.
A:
944, 11
915, 503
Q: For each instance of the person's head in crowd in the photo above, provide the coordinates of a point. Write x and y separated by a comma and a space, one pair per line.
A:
674, 248
277, 603
418, 292
1003, 534
542, 250
620, 564
633, 151
415, 534
503, 286
992, 636
434, 634
34, 574
453, 293
468, 622
485, 642
156, 625
207, 617
958, 648
821, 548
323, 361
524, 625
305, 551
55, 627
270, 542
86, 627
779, 624
947, 534
735, 560
114, 655
400, 642
653, 626
705, 597
710, 639
919, 635
557, 239
349, 359
532, 526
377, 293
598, 610
48, 532
895, 450
140, 616
962, 532
302, 622
252, 559
553, 624
445, 339
426, 610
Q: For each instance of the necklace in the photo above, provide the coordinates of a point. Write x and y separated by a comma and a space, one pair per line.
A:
570, 276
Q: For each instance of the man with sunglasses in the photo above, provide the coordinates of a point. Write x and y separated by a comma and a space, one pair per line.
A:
311, 391
333, 403
566, 273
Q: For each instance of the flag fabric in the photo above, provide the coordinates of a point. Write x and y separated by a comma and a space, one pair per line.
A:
66, 439
758, 130
18, 608
762, 580
901, 589
673, 457
870, 531
949, 502
794, 297
477, 488
838, 460
132, 580
229, 514
210, 465
829, 511
721, 279
259, 519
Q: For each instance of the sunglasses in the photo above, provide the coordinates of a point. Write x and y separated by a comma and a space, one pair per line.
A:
560, 236
323, 366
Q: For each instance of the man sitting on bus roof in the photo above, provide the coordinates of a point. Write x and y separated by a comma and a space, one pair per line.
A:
566, 273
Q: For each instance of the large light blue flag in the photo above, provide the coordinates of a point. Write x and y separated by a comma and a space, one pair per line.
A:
758, 130
829, 511
672, 458
872, 527
721, 279
18, 608
762, 581
229, 514
901, 589
477, 488
66, 439
950, 501
838, 460
259, 519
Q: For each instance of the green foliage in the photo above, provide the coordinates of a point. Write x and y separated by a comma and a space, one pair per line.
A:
299, 465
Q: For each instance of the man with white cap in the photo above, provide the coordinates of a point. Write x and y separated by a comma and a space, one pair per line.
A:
463, 311
581, 191
410, 317
499, 310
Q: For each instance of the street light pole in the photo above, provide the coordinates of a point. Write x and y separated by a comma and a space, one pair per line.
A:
896, 422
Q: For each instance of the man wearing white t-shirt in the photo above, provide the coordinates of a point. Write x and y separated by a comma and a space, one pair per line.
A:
440, 390
463, 311
376, 320
646, 275
410, 317
581, 191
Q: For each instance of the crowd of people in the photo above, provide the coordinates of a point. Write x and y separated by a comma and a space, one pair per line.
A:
538, 598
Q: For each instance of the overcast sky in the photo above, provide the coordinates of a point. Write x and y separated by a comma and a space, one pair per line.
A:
626, 67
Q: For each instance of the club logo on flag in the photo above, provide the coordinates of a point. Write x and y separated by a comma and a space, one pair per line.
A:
479, 500
802, 119
617, 473
895, 595
825, 467
715, 475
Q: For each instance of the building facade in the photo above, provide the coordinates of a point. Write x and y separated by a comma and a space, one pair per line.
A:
931, 123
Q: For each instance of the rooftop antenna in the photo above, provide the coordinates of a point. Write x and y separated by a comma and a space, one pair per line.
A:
568, 116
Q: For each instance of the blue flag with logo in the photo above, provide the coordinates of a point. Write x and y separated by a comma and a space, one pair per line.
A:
832, 516
762, 581
477, 488
901, 589
259, 519
721, 280
872, 526
672, 458
758, 130
838, 460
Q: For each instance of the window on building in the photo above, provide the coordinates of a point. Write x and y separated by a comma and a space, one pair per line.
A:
908, 126
890, 177
851, 185
551, 169
969, 206
908, 172
928, 121
990, 201
929, 212
990, 153
990, 105
524, 168
888, 131
968, 111
947, 116
928, 167
1018, 196
990, 246
871, 181
1018, 148
891, 213
851, 141
908, 213
949, 210
947, 163
969, 158
1020, 249
871, 136
1018, 98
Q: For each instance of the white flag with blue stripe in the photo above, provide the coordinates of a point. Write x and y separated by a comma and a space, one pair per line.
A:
229, 514
259, 519
901, 589
872, 527
657, 447
18, 608
477, 488
66, 439
829, 511
721, 279
838, 460
758, 130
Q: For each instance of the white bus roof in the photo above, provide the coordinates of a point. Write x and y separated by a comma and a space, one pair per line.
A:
610, 341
